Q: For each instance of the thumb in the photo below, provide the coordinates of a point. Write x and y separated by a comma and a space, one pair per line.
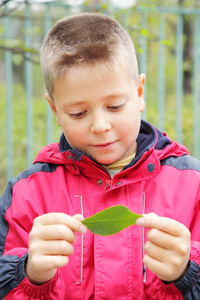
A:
78, 217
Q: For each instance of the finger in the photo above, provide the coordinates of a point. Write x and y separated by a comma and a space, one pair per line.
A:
154, 265
162, 239
81, 218
61, 218
78, 217
49, 262
57, 232
51, 248
156, 252
168, 225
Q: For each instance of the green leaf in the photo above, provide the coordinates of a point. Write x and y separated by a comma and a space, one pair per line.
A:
144, 32
104, 6
111, 220
166, 42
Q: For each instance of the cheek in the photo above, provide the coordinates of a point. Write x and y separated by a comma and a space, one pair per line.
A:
71, 136
132, 131
130, 124
74, 134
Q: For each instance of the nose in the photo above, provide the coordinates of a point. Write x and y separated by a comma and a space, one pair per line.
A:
100, 124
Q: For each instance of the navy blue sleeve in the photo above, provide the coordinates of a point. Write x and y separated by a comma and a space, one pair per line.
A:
189, 285
11, 273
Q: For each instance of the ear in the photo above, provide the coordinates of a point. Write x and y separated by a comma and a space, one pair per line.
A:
140, 90
53, 107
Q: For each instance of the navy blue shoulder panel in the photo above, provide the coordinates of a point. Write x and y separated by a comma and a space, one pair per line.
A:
6, 198
185, 162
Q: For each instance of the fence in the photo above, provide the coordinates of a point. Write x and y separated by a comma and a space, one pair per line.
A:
167, 52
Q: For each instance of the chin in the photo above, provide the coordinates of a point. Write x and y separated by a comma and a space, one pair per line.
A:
106, 162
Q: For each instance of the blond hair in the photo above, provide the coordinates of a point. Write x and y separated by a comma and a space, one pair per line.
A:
83, 40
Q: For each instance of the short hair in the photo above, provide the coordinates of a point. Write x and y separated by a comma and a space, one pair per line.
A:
86, 39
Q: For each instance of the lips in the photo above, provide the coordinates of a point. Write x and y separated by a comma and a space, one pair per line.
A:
104, 146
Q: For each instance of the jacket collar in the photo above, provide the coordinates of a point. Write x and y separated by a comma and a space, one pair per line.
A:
149, 137
150, 141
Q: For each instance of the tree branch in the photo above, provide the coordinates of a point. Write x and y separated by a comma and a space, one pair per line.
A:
23, 53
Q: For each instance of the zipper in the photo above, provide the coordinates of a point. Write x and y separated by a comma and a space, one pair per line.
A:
144, 267
82, 242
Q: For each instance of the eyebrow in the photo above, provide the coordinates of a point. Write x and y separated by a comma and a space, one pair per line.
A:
82, 102
74, 103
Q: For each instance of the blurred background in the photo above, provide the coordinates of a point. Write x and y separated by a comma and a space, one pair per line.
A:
166, 35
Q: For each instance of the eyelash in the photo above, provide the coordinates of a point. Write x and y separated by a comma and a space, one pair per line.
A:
80, 114
77, 115
116, 107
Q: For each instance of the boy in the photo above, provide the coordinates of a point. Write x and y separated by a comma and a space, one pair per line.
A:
106, 156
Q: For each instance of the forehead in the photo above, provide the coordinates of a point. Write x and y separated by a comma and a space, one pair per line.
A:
114, 64
88, 84
98, 71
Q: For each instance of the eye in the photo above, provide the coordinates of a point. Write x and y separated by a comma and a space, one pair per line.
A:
116, 107
78, 114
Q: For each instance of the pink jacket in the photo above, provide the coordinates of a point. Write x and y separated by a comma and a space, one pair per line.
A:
162, 178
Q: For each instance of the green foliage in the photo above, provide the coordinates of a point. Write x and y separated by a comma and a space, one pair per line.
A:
17, 59
169, 3
19, 131
111, 220
17, 45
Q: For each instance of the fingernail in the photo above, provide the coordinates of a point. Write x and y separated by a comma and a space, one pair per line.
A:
140, 221
83, 228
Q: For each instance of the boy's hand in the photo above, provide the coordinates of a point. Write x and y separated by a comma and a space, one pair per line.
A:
168, 247
50, 244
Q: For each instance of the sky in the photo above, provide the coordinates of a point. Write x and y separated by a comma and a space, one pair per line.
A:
117, 3
123, 3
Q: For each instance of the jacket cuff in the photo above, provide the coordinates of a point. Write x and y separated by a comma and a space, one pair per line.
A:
53, 286
21, 267
190, 279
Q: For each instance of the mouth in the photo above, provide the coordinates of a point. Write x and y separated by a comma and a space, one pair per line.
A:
104, 146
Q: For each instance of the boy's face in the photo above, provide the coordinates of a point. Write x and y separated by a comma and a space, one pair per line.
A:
99, 115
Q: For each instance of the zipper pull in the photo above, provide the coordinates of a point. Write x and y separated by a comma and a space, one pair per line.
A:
108, 184
144, 274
